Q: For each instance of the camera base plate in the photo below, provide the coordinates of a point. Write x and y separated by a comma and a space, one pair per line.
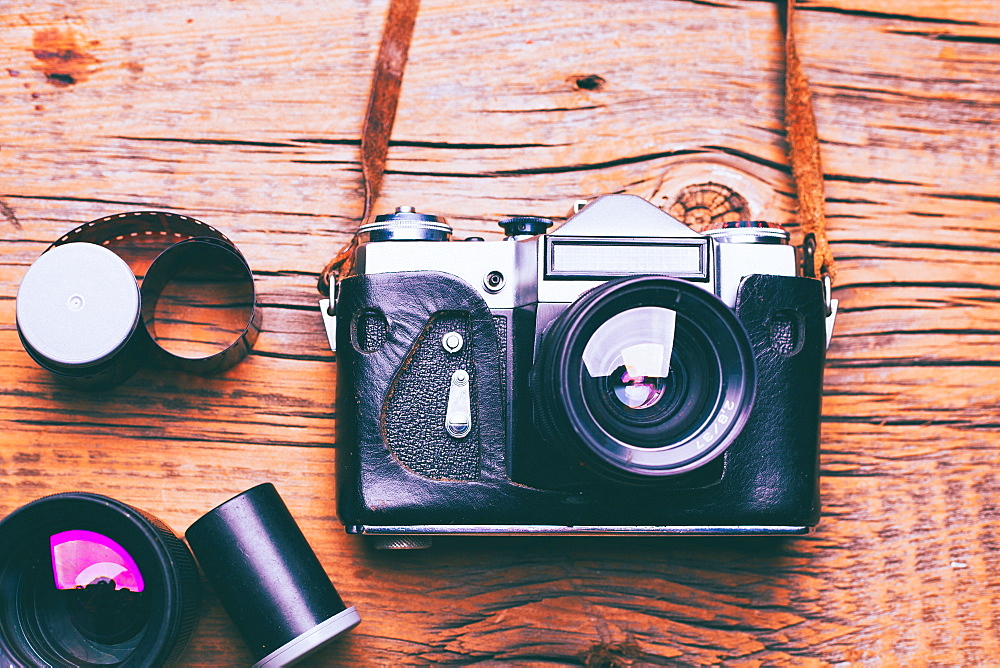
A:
547, 529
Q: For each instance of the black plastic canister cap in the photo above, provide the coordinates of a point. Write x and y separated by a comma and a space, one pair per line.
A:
268, 577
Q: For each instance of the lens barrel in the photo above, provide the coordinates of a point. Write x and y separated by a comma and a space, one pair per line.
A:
86, 580
644, 377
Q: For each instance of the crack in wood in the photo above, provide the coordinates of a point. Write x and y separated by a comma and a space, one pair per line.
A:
949, 285
850, 178
949, 37
294, 143
970, 197
880, 94
885, 243
8, 215
887, 16
890, 363
558, 169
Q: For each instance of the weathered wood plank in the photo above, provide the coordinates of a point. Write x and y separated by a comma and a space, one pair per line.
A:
247, 115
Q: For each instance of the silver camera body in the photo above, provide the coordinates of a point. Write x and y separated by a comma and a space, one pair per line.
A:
614, 235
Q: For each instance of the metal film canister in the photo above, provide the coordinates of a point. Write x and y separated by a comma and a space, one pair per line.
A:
268, 578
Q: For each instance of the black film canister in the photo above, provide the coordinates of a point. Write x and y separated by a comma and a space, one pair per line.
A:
268, 578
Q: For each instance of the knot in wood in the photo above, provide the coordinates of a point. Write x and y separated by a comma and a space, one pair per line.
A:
700, 205
589, 82
612, 655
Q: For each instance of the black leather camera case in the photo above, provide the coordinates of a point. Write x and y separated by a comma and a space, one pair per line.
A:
396, 466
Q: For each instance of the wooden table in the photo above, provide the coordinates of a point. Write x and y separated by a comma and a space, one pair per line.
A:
247, 115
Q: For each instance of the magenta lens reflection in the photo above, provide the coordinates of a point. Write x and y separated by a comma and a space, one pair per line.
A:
82, 558
100, 586
637, 392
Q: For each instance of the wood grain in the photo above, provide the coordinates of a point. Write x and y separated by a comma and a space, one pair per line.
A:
247, 115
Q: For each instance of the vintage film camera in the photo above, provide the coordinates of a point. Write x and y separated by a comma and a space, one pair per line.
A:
622, 374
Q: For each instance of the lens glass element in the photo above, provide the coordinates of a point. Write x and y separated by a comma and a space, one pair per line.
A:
649, 378
86, 580
636, 391
81, 558
631, 351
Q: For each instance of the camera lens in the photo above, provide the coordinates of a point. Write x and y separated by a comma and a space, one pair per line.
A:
644, 377
86, 580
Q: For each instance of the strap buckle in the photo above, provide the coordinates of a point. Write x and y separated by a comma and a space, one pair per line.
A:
328, 309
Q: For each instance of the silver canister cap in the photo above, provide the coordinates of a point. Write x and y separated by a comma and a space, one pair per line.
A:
748, 232
77, 305
405, 225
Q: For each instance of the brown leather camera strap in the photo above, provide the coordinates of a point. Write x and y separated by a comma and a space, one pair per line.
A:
384, 96
800, 124
380, 115
803, 151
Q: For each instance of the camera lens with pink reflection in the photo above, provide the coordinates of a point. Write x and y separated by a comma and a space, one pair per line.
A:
86, 580
102, 586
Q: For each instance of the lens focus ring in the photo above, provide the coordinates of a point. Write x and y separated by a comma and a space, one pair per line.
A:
644, 377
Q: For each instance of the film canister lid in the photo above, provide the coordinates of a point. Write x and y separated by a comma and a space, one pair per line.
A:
77, 306
268, 578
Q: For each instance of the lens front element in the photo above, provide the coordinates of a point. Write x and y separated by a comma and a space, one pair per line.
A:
631, 353
628, 384
636, 391
644, 377
638, 341
99, 585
